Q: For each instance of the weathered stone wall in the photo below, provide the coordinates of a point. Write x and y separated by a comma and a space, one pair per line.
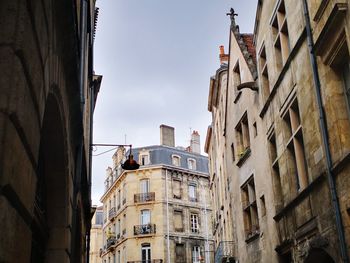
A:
39, 123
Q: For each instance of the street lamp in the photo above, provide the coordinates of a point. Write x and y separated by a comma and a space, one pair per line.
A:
130, 164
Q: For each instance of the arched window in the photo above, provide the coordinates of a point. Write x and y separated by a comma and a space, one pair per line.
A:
191, 163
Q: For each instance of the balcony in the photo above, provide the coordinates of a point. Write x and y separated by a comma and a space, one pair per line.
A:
144, 197
144, 229
110, 242
148, 261
112, 213
226, 252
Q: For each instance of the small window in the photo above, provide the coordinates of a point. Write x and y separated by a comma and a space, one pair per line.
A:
145, 217
176, 160
191, 164
196, 254
192, 193
242, 137
144, 159
194, 223
144, 186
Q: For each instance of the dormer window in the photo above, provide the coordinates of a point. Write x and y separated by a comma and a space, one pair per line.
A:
191, 164
176, 160
144, 158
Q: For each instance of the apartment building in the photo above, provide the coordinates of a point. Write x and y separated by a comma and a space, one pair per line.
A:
96, 235
160, 212
285, 135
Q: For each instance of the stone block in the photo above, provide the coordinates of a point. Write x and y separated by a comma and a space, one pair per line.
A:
14, 241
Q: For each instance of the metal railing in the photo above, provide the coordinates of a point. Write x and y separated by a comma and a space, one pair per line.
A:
112, 213
147, 261
144, 229
110, 242
144, 197
225, 252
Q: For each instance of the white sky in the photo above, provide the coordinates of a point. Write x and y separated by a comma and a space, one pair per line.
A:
156, 58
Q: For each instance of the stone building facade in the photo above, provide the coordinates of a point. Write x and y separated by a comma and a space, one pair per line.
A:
96, 235
291, 183
48, 93
163, 206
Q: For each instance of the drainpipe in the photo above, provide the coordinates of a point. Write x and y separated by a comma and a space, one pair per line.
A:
167, 215
79, 157
325, 141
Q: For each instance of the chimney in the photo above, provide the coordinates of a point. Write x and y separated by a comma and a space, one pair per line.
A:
118, 156
223, 57
167, 135
195, 142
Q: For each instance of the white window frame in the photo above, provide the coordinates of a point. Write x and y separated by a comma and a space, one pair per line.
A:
194, 219
196, 254
192, 164
143, 217
176, 157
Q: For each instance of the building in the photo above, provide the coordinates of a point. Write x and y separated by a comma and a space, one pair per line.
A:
96, 235
163, 206
48, 94
281, 127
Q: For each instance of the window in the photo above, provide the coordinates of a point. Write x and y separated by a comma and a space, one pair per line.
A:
176, 160
276, 179
145, 217
236, 81
178, 223
250, 211
144, 186
146, 252
119, 198
192, 193
119, 256
196, 254
99, 218
180, 253
233, 151
280, 32
144, 159
295, 146
191, 164
263, 206
124, 193
264, 74
242, 136
176, 189
194, 223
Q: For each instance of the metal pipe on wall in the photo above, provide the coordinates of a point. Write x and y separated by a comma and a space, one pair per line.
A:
325, 140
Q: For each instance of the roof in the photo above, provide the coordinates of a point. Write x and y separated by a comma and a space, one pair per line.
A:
162, 155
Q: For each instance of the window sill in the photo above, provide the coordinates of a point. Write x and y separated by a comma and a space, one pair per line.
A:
243, 157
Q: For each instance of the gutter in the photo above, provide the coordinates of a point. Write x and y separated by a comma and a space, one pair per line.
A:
324, 135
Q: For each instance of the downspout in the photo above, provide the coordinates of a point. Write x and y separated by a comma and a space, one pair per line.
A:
325, 141
167, 215
79, 157
92, 102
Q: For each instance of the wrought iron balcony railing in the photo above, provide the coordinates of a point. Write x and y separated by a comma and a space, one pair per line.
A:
147, 261
225, 252
110, 242
144, 197
145, 229
112, 213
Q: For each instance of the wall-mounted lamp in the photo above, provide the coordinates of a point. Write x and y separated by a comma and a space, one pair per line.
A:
130, 164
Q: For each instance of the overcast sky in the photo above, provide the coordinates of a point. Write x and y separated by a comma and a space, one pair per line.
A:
156, 58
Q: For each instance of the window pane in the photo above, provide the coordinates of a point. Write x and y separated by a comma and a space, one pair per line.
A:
145, 217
